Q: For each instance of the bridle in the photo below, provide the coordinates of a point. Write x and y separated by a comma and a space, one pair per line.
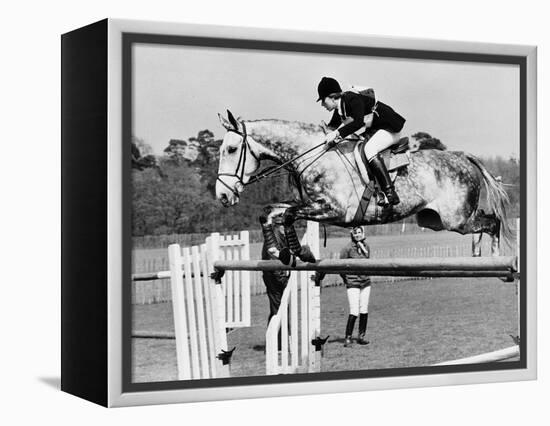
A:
239, 170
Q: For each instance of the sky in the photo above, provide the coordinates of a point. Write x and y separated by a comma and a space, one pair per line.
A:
179, 90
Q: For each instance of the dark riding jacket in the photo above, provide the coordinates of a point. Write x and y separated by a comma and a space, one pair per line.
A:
357, 106
354, 251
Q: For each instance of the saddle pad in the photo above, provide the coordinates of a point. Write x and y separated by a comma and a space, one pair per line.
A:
396, 161
393, 161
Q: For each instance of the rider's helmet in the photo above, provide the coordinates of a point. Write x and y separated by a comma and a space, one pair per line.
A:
327, 86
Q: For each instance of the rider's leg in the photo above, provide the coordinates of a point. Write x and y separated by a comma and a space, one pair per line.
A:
381, 140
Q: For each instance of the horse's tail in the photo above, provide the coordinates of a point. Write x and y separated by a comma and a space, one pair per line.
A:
496, 197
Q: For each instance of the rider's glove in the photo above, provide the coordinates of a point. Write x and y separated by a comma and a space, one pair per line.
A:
330, 138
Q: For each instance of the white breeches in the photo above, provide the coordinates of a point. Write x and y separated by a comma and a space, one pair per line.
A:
358, 300
381, 140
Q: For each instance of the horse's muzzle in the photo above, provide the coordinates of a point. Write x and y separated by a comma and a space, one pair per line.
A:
224, 200
228, 201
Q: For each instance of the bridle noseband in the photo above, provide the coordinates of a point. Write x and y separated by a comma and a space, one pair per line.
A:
239, 171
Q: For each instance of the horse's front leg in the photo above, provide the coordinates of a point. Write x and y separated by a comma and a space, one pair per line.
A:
271, 222
318, 211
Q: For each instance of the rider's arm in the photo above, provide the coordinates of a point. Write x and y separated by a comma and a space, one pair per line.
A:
335, 121
347, 121
368, 120
356, 111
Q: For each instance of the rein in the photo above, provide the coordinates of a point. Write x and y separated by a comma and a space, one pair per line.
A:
239, 170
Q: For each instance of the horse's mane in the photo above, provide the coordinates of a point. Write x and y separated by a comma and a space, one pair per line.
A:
297, 125
426, 141
282, 130
269, 131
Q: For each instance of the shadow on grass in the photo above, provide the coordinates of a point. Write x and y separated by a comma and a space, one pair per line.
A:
259, 348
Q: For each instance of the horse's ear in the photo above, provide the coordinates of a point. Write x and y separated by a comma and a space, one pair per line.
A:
225, 123
232, 120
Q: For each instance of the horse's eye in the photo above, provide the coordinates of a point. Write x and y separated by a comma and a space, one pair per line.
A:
231, 150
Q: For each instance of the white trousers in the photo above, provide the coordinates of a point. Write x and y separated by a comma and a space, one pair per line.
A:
381, 140
358, 300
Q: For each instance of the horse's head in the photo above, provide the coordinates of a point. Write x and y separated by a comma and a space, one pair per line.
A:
239, 159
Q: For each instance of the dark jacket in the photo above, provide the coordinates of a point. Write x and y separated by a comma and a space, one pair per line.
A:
281, 276
357, 106
353, 251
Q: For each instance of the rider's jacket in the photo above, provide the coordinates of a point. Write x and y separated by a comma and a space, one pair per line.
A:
357, 106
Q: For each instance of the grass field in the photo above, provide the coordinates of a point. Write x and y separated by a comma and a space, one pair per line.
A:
411, 323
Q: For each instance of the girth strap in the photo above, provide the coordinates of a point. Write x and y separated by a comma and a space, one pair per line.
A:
364, 203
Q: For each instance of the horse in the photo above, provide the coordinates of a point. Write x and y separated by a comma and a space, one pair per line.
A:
441, 187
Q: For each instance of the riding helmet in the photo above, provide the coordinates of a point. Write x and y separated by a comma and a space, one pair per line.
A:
327, 86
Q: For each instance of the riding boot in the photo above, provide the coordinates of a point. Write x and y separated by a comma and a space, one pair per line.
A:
349, 329
383, 177
363, 320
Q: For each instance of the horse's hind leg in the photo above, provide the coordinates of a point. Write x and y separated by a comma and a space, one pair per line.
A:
484, 223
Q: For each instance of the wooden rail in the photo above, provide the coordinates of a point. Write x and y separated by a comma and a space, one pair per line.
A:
502, 266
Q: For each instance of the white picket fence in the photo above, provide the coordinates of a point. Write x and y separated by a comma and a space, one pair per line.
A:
203, 309
298, 320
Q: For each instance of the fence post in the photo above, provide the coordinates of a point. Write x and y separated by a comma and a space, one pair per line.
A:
314, 309
218, 305
245, 280
518, 256
208, 299
191, 321
201, 312
178, 305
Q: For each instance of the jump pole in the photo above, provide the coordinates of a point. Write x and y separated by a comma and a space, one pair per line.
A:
502, 266
500, 355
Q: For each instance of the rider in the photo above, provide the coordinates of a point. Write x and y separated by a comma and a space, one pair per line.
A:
358, 113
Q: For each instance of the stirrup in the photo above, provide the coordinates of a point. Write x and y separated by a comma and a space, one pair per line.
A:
381, 199
393, 198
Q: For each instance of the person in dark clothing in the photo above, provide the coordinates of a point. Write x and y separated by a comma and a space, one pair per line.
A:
357, 287
275, 281
362, 114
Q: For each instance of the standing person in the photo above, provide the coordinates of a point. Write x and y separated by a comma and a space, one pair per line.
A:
360, 113
358, 286
275, 281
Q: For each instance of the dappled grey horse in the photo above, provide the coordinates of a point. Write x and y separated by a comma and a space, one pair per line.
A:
442, 188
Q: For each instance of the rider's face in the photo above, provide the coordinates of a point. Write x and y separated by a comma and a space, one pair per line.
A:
329, 103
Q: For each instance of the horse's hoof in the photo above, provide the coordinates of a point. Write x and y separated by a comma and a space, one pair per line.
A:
285, 256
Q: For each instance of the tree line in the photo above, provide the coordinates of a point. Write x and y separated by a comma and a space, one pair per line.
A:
174, 193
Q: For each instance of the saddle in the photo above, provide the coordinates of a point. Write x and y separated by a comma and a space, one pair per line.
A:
395, 157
